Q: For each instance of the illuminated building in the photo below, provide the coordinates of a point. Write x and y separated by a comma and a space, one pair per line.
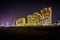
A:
20, 22
7, 24
46, 18
33, 19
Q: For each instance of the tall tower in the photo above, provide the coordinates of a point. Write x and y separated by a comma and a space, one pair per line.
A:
46, 16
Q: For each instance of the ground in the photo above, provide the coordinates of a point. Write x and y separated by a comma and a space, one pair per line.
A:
30, 32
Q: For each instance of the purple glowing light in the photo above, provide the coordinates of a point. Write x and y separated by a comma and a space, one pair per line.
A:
7, 25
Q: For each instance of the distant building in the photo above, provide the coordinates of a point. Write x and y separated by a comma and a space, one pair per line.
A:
58, 24
20, 22
3, 24
7, 24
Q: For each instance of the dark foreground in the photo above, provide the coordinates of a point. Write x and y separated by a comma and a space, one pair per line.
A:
33, 33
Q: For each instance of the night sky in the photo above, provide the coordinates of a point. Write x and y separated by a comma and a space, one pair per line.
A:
12, 10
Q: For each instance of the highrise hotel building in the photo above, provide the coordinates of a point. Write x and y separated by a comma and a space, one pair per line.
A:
46, 18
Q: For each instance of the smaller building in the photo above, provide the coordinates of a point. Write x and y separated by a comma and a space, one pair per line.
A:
20, 22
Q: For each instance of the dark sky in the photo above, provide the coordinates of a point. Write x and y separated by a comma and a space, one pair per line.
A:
12, 10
